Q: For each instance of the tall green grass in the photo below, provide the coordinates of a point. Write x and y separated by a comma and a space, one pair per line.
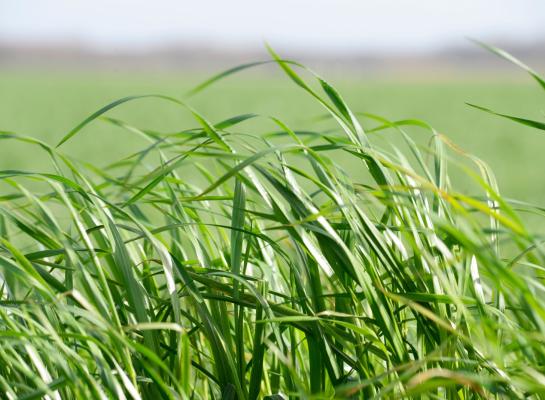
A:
217, 263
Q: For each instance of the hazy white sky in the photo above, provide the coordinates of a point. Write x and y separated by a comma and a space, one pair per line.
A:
329, 25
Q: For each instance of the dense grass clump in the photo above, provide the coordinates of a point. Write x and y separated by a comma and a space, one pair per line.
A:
220, 264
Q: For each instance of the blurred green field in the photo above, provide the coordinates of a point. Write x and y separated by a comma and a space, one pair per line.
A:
48, 105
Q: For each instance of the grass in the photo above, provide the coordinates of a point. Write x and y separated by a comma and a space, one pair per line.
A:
222, 262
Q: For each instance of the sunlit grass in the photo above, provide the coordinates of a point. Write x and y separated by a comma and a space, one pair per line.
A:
221, 263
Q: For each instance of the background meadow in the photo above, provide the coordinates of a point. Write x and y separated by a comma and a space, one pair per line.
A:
47, 105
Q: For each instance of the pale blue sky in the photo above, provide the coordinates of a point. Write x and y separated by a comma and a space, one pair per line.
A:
326, 25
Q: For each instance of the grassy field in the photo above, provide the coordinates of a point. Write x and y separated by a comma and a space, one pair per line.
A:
48, 105
228, 256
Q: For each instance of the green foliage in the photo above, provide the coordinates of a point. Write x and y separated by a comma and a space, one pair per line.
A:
219, 264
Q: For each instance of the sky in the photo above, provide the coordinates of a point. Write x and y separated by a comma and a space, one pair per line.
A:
314, 25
